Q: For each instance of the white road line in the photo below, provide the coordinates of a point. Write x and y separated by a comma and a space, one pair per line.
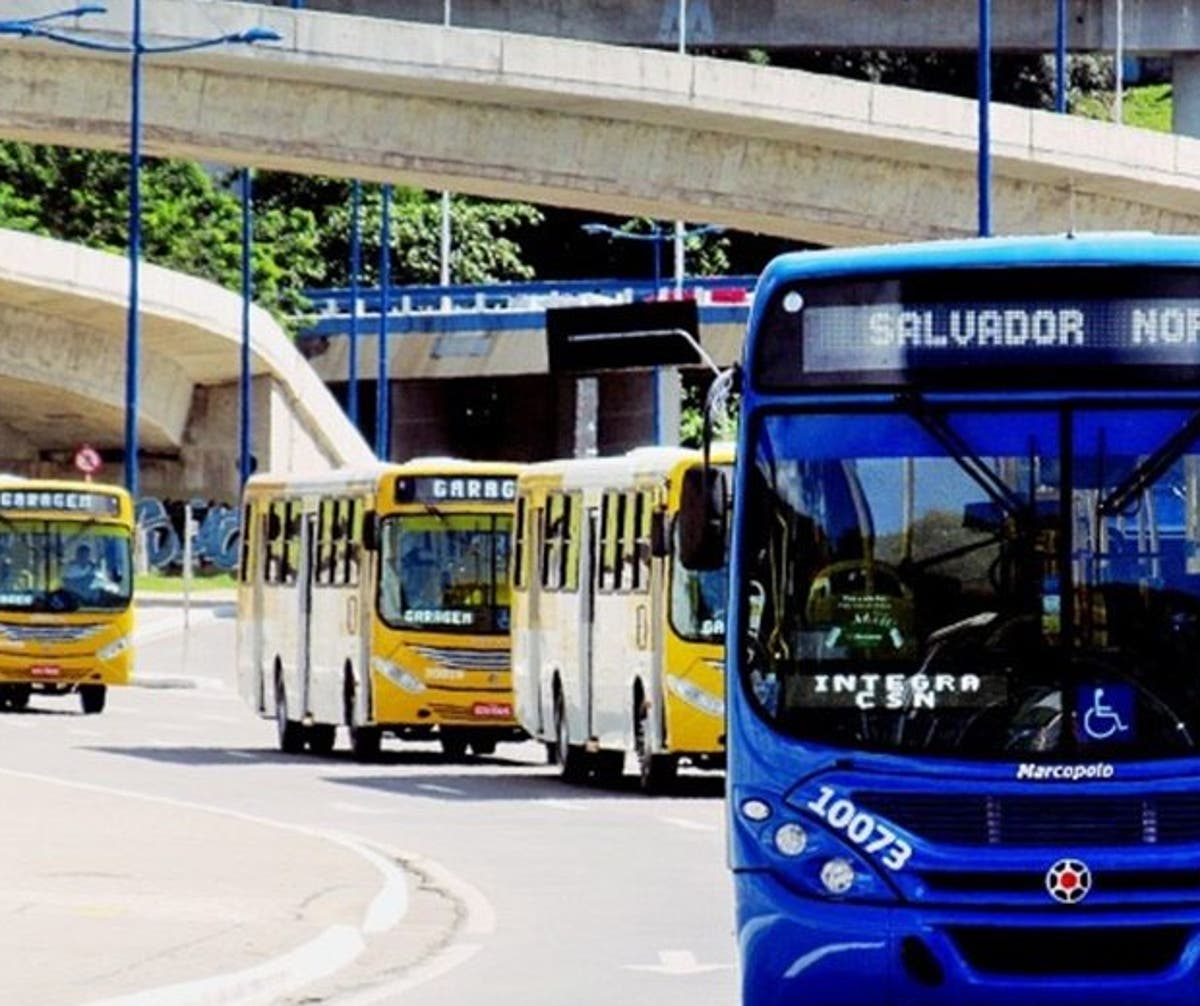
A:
84, 732
441, 963
20, 722
336, 947
238, 754
218, 718
434, 787
683, 822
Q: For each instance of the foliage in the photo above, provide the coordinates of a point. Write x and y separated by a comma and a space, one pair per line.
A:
1148, 107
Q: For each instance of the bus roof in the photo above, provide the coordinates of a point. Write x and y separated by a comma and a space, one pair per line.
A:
1096, 248
364, 476
622, 469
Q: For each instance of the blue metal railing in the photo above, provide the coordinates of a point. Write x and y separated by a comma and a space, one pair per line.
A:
474, 298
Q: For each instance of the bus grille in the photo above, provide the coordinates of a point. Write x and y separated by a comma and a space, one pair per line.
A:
1068, 950
970, 819
465, 660
48, 633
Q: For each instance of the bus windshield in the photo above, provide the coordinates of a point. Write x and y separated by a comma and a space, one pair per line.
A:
698, 599
979, 583
445, 572
53, 565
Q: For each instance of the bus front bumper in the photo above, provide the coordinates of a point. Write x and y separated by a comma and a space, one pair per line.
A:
800, 951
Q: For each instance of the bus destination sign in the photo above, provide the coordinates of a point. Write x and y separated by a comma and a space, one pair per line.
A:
60, 500
456, 489
890, 337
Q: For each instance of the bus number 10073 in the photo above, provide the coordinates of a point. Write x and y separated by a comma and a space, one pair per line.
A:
861, 828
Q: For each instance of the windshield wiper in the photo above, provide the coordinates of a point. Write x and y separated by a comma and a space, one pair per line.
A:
967, 459
1151, 469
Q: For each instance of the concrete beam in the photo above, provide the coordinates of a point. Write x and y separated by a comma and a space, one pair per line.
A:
597, 127
1028, 25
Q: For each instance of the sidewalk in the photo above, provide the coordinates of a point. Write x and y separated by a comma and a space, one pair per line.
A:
104, 894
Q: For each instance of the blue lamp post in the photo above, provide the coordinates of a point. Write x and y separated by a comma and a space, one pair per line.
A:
42, 28
383, 419
657, 236
244, 455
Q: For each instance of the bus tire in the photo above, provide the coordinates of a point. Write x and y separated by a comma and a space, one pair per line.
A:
482, 746
92, 698
321, 739
291, 733
572, 759
18, 697
365, 743
656, 772
609, 767
454, 744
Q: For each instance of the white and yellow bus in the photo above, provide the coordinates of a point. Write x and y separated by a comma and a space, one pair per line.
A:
66, 590
616, 648
377, 599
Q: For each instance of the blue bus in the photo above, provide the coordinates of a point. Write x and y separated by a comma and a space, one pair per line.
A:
964, 645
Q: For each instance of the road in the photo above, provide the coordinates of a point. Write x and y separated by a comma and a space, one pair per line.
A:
169, 855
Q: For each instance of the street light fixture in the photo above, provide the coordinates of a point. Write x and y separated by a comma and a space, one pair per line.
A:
42, 28
657, 235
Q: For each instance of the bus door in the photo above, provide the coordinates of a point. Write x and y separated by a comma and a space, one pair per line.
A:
656, 631
257, 568
533, 632
304, 597
587, 619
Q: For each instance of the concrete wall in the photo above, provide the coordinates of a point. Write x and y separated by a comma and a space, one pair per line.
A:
1150, 25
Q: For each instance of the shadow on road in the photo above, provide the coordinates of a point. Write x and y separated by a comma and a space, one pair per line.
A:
479, 779
460, 785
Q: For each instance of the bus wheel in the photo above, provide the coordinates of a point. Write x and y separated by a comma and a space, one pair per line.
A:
609, 767
364, 743
483, 746
656, 772
571, 758
321, 739
18, 697
91, 698
291, 733
454, 744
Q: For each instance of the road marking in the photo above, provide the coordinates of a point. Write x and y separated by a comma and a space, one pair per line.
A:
683, 822
433, 787
563, 805
335, 948
441, 963
677, 962
84, 732
230, 752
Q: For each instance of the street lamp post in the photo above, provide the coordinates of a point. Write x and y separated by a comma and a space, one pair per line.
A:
658, 236
355, 272
383, 419
244, 452
42, 28
985, 130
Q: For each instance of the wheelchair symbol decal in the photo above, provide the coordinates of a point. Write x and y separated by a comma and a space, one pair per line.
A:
1106, 712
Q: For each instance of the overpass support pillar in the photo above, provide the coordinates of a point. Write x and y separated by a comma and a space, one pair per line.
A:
668, 393
1185, 87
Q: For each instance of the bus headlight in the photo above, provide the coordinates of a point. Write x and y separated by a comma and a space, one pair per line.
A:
110, 650
398, 675
837, 876
696, 696
791, 839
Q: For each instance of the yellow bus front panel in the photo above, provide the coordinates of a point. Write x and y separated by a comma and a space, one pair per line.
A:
694, 689
67, 653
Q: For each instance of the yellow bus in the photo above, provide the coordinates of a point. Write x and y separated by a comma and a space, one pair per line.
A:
66, 590
377, 599
616, 648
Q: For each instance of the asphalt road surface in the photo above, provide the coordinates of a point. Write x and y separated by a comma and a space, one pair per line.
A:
164, 853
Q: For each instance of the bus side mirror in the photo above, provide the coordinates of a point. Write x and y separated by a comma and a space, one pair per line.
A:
702, 519
370, 531
660, 544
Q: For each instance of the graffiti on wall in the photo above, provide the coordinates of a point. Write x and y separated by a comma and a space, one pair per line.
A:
215, 540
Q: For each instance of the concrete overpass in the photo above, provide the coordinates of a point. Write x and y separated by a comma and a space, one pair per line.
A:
1151, 26
62, 371
599, 127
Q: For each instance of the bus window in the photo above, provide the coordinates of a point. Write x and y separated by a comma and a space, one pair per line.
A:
639, 551
570, 547
608, 579
291, 541
326, 548
276, 526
